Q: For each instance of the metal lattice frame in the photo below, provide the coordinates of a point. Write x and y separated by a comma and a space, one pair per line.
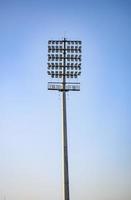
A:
64, 62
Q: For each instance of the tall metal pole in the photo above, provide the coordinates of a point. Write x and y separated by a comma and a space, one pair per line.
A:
65, 149
68, 51
64, 136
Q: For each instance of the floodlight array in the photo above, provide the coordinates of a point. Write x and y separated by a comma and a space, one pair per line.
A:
64, 58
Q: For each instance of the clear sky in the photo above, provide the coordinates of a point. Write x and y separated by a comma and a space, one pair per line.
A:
99, 116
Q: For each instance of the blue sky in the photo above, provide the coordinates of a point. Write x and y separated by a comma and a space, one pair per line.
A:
99, 115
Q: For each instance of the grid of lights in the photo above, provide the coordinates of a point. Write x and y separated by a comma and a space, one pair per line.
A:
64, 58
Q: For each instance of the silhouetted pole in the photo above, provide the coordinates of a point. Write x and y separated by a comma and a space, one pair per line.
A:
64, 136
69, 68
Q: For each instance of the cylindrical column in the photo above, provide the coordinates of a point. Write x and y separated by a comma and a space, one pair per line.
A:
65, 150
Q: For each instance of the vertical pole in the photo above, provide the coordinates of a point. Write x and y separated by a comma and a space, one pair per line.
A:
64, 135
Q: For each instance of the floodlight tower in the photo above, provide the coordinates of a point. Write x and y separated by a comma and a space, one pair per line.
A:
64, 62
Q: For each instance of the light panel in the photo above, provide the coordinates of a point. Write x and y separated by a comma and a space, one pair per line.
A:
64, 58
